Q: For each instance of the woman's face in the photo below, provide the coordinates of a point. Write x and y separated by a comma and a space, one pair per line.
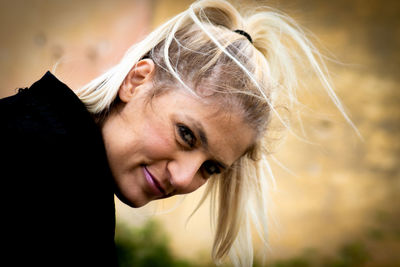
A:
170, 145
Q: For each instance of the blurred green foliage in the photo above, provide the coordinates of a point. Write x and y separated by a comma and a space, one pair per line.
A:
351, 254
146, 246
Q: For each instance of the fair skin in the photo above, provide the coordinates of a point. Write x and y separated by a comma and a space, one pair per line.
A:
171, 145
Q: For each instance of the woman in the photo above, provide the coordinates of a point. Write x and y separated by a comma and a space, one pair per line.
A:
190, 104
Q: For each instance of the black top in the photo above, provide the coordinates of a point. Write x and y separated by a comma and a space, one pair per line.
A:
57, 199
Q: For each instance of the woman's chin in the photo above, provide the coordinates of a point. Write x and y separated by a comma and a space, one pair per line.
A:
132, 202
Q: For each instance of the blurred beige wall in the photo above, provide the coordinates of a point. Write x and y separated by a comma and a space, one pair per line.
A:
76, 40
343, 189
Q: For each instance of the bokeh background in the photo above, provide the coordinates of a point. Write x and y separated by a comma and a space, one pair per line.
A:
336, 203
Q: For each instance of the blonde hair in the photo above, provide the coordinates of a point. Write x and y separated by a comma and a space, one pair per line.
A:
200, 47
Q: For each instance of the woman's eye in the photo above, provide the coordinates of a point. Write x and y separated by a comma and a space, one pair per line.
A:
211, 167
187, 135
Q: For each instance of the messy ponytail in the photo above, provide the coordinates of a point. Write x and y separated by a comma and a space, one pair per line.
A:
201, 46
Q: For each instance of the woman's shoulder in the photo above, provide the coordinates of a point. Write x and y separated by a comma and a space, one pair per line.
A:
58, 188
47, 107
52, 154
47, 124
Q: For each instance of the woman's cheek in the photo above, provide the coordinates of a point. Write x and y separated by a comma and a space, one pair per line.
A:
160, 141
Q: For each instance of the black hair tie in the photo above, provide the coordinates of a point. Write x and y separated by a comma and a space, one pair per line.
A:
245, 34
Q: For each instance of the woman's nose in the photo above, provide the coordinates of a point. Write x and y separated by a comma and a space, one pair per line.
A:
185, 172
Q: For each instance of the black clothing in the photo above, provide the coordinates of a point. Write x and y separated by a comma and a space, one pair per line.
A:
57, 198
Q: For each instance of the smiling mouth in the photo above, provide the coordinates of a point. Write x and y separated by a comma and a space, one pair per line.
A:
154, 184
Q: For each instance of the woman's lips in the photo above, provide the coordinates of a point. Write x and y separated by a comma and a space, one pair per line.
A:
154, 185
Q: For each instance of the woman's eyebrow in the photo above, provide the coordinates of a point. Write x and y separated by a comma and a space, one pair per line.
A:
202, 134
199, 129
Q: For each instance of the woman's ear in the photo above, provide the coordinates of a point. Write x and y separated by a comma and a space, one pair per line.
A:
141, 73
